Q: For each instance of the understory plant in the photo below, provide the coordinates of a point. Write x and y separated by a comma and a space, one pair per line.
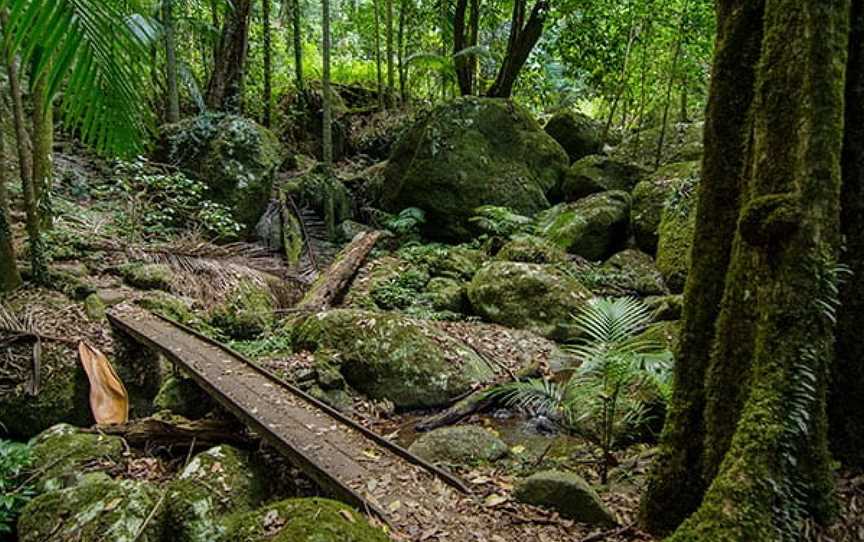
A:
15, 492
606, 396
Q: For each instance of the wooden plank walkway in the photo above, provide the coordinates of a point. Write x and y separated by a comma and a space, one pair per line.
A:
417, 500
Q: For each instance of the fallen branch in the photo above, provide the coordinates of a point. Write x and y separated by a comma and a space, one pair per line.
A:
197, 433
478, 401
330, 286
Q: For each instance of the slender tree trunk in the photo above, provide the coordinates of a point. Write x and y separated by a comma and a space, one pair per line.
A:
171, 61
473, 41
524, 35
676, 55
391, 71
43, 147
296, 20
268, 60
846, 399
225, 88
378, 69
622, 81
400, 48
443, 19
463, 70
327, 143
10, 278
763, 435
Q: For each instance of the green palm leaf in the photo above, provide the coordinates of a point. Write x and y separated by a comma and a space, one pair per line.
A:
98, 53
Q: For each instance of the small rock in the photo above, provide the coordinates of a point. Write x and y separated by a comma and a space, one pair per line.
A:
459, 445
151, 276
94, 308
594, 227
567, 493
112, 297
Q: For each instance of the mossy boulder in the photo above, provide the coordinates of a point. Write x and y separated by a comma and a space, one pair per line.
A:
576, 132
233, 156
389, 356
445, 294
650, 197
147, 276
142, 372
594, 227
675, 237
303, 520
216, 482
325, 194
182, 396
566, 493
60, 453
596, 173
373, 278
531, 249
120, 511
635, 272
458, 262
666, 307
94, 308
682, 143
63, 394
247, 311
459, 445
468, 153
667, 334
540, 298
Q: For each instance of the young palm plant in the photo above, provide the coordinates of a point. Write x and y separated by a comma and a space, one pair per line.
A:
602, 399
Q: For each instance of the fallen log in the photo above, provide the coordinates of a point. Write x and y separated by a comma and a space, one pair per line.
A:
478, 401
328, 287
183, 433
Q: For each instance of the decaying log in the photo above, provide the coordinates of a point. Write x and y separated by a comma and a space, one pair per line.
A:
182, 433
478, 401
330, 285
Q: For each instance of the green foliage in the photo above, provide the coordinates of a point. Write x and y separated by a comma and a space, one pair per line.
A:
401, 292
601, 401
501, 221
271, 344
406, 223
15, 492
158, 204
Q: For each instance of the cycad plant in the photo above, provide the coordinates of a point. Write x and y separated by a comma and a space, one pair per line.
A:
604, 397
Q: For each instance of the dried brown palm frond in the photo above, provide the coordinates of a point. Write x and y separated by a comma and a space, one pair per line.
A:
14, 327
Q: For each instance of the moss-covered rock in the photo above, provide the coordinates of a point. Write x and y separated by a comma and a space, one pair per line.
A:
595, 173
682, 143
141, 370
666, 333
216, 482
675, 239
469, 153
666, 307
235, 157
576, 132
445, 294
635, 272
119, 511
567, 493
60, 453
594, 227
650, 197
182, 396
373, 277
303, 520
459, 445
63, 394
147, 276
323, 193
531, 249
540, 298
94, 308
247, 311
388, 356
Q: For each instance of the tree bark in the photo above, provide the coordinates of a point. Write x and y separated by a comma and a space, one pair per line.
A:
378, 69
296, 19
847, 400
10, 278
391, 73
225, 88
43, 148
524, 35
460, 42
171, 61
673, 69
400, 48
327, 139
762, 436
268, 64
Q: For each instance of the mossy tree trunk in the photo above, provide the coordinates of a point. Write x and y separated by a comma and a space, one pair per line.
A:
524, 35
748, 423
43, 146
225, 88
10, 278
846, 399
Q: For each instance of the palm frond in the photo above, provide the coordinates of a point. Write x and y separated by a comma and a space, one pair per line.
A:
537, 396
98, 51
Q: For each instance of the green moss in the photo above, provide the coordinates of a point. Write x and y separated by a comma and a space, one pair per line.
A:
95, 512
770, 220
445, 294
665, 308
247, 312
303, 520
594, 174
578, 134
468, 153
60, 453
63, 395
151, 276
566, 493
635, 273
651, 195
594, 227
540, 298
94, 308
459, 445
666, 333
183, 397
531, 249
682, 143
141, 370
676, 233
324, 193
388, 356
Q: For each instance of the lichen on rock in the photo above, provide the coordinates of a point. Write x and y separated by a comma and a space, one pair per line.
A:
60, 453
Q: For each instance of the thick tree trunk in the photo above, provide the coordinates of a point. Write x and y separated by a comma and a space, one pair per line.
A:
10, 278
764, 431
268, 64
327, 139
524, 35
171, 61
225, 88
847, 400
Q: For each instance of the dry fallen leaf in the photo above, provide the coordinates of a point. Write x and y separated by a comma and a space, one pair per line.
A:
109, 401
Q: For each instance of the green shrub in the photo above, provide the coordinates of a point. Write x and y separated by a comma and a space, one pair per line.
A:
15, 492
